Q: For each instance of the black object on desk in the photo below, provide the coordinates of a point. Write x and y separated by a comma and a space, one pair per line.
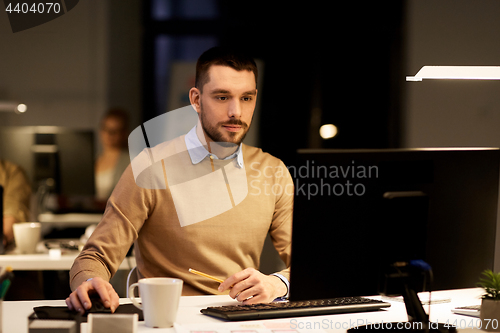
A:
63, 313
97, 306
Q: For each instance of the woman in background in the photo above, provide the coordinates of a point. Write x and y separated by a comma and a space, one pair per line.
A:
114, 157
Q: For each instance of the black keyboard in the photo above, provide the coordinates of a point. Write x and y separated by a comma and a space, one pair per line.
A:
295, 308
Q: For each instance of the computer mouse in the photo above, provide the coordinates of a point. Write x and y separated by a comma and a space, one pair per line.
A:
97, 306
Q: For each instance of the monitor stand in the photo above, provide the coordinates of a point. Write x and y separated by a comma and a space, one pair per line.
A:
418, 320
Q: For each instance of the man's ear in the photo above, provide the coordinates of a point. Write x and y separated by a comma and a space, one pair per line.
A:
194, 98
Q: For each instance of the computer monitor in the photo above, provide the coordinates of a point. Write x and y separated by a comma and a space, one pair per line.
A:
357, 211
49, 152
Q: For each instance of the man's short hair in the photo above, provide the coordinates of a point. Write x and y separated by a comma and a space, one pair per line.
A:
222, 56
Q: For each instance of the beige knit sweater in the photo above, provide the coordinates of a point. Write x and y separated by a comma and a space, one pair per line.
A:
220, 246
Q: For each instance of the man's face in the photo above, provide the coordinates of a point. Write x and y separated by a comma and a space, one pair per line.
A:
226, 104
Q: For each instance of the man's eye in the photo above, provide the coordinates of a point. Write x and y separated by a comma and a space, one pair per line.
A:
222, 98
247, 99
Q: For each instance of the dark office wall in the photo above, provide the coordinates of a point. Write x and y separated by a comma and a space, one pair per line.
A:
124, 28
444, 112
69, 71
58, 69
324, 63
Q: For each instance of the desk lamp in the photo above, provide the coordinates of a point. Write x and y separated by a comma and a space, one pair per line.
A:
456, 73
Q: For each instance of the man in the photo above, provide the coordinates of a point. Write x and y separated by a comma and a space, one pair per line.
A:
176, 226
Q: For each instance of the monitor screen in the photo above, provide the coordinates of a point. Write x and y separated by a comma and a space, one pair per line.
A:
62, 154
357, 211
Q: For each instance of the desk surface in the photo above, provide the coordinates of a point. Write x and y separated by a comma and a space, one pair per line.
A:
42, 261
70, 218
190, 319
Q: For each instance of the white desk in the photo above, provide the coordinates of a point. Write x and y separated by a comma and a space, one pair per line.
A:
70, 219
189, 318
43, 262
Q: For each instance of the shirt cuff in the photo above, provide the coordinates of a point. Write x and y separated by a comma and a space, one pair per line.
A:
285, 281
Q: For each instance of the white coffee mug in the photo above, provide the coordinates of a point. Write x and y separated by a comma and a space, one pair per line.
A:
27, 235
160, 300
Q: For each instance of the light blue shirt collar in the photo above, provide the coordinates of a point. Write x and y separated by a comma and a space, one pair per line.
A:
197, 152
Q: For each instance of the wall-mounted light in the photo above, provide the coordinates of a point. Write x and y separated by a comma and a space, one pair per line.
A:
13, 107
328, 131
457, 73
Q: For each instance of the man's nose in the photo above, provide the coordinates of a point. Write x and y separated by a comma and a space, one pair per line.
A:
234, 110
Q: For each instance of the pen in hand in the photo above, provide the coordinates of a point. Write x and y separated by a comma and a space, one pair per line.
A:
205, 275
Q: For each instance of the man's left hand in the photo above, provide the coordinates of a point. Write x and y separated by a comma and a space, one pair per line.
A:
251, 286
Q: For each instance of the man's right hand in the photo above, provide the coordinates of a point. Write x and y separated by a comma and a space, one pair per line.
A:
79, 299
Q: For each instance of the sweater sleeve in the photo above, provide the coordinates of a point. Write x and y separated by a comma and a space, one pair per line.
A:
126, 211
281, 226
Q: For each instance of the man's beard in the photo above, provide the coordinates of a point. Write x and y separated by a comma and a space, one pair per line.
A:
215, 134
